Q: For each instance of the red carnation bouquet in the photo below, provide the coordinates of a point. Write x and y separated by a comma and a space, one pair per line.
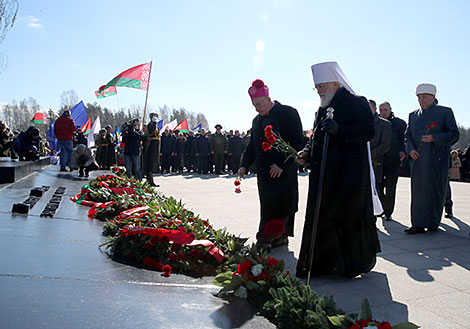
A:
275, 141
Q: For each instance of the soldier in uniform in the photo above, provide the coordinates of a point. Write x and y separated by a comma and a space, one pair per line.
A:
101, 149
110, 148
151, 152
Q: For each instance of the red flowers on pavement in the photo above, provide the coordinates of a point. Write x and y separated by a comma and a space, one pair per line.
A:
166, 271
237, 183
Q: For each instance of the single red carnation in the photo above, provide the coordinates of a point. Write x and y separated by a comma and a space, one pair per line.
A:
429, 127
266, 146
244, 268
272, 262
433, 124
384, 325
271, 139
237, 182
268, 130
238, 190
166, 271
258, 83
363, 323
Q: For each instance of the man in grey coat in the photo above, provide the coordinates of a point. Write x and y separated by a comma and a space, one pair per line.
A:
380, 144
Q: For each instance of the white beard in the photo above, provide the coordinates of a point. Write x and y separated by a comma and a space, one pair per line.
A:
326, 100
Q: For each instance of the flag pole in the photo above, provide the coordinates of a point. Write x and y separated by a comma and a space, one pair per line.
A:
117, 99
147, 94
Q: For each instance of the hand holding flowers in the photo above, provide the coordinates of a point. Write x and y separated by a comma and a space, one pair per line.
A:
275, 141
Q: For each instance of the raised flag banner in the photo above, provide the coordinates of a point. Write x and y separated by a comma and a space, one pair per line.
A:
182, 126
79, 115
160, 124
135, 77
39, 119
94, 130
170, 126
86, 128
310, 133
103, 92
197, 129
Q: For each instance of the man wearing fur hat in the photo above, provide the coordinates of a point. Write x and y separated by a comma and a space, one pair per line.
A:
430, 133
346, 240
151, 148
277, 178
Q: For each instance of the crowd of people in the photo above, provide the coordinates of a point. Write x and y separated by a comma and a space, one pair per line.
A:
354, 155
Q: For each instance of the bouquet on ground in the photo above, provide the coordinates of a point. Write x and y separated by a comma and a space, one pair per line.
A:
275, 141
237, 184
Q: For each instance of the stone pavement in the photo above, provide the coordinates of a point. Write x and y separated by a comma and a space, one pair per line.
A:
52, 274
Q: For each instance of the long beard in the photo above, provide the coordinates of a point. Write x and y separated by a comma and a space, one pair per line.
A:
326, 100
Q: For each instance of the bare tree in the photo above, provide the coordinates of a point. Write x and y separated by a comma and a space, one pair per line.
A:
164, 114
201, 119
8, 11
68, 99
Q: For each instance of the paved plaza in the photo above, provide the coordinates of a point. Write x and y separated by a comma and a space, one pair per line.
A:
53, 275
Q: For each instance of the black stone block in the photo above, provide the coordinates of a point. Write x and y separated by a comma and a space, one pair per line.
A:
37, 191
20, 208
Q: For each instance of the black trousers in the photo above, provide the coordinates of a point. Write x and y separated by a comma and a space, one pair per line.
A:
387, 188
166, 162
449, 203
218, 161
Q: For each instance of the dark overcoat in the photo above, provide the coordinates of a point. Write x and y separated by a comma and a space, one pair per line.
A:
278, 196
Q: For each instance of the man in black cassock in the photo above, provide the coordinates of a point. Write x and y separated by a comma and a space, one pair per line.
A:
346, 238
277, 178
430, 133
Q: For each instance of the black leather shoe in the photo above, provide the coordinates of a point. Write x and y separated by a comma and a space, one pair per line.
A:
449, 215
415, 230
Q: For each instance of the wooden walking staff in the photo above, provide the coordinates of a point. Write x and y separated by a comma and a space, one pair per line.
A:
147, 95
329, 115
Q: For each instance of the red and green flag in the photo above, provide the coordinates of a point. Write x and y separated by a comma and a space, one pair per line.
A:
183, 126
39, 119
86, 128
103, 92
135, 77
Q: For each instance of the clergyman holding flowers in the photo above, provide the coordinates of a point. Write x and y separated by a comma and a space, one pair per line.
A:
276, 172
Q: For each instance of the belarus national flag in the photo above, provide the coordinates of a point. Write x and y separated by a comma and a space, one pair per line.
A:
39, 119
103, 92
183, 126
135, 77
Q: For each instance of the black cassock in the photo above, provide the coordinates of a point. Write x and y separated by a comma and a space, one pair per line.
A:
346, 239
279, 197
